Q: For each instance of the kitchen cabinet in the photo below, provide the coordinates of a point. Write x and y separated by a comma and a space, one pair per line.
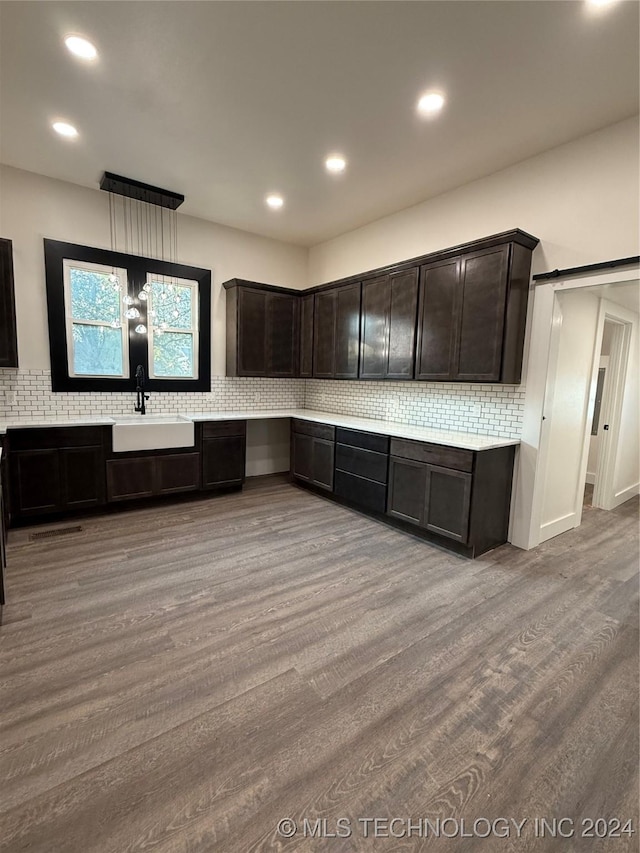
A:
455, 494
8, 335
3, 534
312, 453
336, 332
455, 315
389, 308
155, 473
54, 470
306, 336
472, 313
262, 330
361, 469
223, 454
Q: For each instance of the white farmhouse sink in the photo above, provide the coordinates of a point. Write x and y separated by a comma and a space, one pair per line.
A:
151, 432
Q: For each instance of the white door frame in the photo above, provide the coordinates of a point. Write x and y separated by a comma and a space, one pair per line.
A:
604, 492
546, 325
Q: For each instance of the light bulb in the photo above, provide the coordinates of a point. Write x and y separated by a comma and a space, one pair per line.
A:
65, 129
143, 296
132, 314
146, 287
141, 328
128, 300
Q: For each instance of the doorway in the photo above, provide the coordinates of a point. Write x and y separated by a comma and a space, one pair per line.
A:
590, 375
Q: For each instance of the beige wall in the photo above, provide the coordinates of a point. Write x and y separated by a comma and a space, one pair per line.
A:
580, 199
33, 207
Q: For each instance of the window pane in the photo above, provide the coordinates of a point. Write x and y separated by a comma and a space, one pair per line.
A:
93, 296
97, 351
172, 304
173, 354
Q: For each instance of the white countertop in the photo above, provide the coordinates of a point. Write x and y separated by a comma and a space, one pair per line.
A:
464, 440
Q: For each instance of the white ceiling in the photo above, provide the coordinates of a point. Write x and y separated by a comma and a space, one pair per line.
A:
227, 101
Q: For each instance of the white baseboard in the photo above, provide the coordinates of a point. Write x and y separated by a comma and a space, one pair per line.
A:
557, 526
625, 495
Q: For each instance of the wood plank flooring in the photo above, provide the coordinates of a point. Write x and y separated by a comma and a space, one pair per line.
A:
183, 677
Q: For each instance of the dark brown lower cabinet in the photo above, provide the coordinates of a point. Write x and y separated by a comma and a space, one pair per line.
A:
362, 461
159, 474
3, 540
223, 454
470, 507
54, 470
312, 453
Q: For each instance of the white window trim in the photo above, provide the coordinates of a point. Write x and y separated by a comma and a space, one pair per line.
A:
194, 331
69, 319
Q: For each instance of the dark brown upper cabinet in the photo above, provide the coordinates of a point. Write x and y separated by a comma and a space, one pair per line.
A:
336, 332
262, 330
471, 315
306, 335
8, 336
389, 307
456, 315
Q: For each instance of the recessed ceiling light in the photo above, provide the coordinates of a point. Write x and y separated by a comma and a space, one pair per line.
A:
64, 129
335, 164
81, 47
274, 201
600, 3
430, 103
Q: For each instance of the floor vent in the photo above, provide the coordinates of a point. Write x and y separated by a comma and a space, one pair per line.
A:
58, 531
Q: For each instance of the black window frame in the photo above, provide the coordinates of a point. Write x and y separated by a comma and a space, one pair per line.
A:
138, 268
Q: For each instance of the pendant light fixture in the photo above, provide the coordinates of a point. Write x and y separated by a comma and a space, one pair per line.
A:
145, 218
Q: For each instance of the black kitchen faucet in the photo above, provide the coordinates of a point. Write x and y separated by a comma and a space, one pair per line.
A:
140, 395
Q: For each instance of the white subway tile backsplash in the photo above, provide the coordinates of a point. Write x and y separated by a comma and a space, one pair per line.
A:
478, 409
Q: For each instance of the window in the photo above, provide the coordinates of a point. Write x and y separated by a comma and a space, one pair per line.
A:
97, 340
173, 327
110, 311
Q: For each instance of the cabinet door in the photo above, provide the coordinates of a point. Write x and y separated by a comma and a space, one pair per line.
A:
324, 334
306, 336
36, 486
448, 496
83, 476
8, 338
376, 299
177, 472
323, 463
130, 478
482, 315
401, 346
407, 489
302, 456
282, 334
347, 340
223, 461
252, 332
3, 550
438, 320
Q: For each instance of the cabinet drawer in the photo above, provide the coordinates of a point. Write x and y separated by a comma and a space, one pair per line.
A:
311, 428
216, 429
434, 454
364, 463
365, 440
361, 491
37, 438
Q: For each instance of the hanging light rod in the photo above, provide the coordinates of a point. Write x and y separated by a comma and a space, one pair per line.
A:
140, 192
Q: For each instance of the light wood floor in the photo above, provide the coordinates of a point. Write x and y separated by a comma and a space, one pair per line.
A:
181, 678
